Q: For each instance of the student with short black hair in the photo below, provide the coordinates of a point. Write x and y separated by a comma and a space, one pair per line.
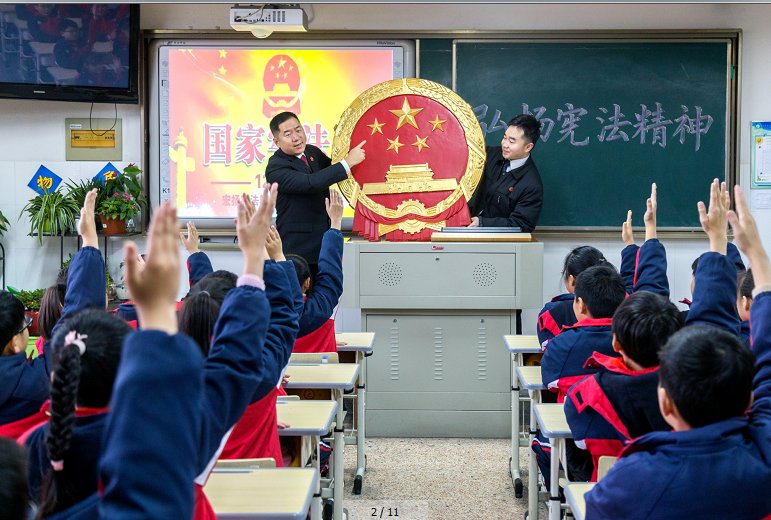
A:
14, 503
714, 464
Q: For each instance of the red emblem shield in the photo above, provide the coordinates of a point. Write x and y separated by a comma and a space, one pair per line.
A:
425, 153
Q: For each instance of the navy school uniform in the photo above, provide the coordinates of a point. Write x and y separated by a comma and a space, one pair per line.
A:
151, 445
563, 362
629, 266
555, 315
255, 435
25, 385
613, 406
650, 272
717, 471
198, 266
714, 294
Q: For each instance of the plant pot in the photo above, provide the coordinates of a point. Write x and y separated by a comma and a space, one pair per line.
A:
33, 327
111, 226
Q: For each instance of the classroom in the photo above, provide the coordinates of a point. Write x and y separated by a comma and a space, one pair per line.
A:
406, 415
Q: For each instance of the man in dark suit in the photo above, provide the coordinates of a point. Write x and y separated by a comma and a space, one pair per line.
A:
510, 193
304, 174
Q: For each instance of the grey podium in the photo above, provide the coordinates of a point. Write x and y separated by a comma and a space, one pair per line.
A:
439, 310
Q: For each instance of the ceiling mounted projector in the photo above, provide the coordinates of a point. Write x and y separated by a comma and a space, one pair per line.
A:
261, 21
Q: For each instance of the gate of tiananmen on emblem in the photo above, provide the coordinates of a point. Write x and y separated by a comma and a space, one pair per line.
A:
425, 156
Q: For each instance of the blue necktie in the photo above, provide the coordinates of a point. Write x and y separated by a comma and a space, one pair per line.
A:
505, 168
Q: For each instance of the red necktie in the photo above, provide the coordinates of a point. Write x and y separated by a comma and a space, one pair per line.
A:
305, 160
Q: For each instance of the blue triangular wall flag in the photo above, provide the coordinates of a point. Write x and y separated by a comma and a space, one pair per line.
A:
44, 180
108, 173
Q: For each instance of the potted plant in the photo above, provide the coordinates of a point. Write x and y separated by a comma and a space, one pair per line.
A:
31, 301
127, 186
51, 213
3, 224
115, 210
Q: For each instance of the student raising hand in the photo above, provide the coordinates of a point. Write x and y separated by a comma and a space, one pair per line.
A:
87, 226
274, 245
713, 219
651, 205
191, 240
252, 226
154, 288
627, 235
748, 240
335, 209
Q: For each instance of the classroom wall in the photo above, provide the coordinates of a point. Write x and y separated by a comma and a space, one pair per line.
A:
33, 132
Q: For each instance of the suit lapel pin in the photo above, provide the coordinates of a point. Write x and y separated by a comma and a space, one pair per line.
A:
511, 189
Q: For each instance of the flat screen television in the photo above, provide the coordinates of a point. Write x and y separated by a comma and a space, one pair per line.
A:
70, 52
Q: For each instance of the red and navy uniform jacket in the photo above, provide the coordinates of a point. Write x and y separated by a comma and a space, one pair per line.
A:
25, 384
732, 252
555, 315
714, 294
80, 476
242, 361
720, 470
160, 436
613, 406
255, 435
198, 266
563, 361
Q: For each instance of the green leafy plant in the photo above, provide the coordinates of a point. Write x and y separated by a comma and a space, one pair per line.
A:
77, 190
51, 213
3, 224
31, 299
119, 206
129, 182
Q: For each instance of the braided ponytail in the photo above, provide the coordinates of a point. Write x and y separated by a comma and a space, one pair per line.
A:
64, 391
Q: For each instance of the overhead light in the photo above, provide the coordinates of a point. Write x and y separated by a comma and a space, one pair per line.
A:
262, 20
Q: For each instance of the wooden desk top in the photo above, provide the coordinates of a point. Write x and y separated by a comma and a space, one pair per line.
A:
356, 341
278, 494
522, 344
329, 376
305, 417
574, 493
552, 421
530, 378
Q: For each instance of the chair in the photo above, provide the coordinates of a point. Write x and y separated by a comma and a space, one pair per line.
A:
250, 464
312, 358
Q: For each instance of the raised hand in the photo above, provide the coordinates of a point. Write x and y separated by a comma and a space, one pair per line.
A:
651, 205
747, 239
154, 288
627, 235
87, 226
274, 245
335, 209
356, 155
252, 228
714, 219
191, 240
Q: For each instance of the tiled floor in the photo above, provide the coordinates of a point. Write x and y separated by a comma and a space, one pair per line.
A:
421, 479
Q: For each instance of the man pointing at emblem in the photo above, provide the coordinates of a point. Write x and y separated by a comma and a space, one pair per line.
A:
304, 174
510, 193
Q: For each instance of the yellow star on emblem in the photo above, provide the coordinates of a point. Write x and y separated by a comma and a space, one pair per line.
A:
394, 144
406, 115
222, 70
223, 53
281, 63
437, 123
376, 127
421, 143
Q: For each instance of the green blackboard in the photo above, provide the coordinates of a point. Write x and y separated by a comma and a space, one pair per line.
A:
616, 115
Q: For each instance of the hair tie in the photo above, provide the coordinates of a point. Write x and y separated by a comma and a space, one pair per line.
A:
57, 465
73, 338
207, 293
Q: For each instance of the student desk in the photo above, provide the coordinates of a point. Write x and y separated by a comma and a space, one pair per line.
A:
335, 377
574, 494
554, 425
517, 346
530, 378
307, 419
360, 343
274, 494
